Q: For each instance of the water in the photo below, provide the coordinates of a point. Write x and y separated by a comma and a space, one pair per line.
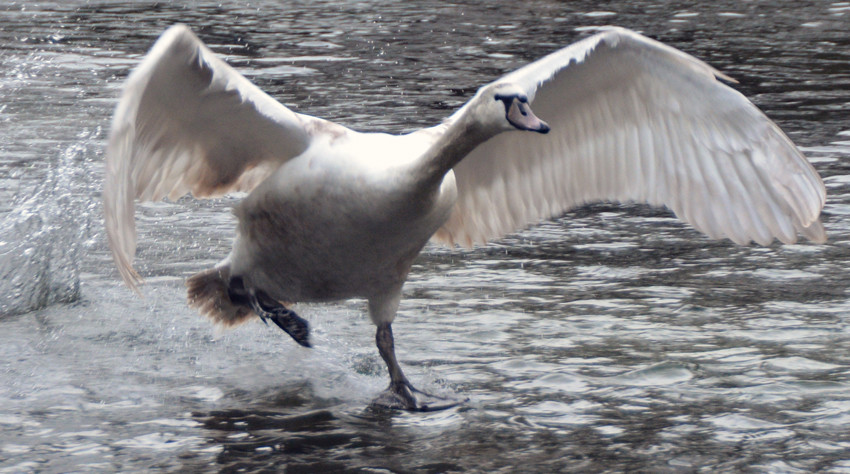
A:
613, 338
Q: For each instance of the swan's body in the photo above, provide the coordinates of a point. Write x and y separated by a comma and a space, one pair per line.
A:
330, 224
333, 213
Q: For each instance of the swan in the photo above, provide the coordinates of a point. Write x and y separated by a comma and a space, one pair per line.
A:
332, 213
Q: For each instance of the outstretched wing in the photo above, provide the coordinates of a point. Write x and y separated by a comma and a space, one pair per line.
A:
188, 122
634, 120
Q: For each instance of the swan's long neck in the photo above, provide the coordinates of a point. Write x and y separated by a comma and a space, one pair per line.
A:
464, 132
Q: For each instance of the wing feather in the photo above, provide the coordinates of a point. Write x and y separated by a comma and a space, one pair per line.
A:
635, 120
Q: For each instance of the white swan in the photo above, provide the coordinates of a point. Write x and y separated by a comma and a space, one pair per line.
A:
333, 213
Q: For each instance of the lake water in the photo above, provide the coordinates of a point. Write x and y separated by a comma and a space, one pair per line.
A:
613, 338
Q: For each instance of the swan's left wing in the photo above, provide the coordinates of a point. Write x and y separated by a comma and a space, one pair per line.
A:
634, 120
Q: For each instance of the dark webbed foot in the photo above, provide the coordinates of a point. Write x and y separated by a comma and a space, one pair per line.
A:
292, 324
404, 396
266, 308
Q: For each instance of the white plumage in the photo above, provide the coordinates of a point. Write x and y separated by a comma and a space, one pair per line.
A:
635, 120
333, 213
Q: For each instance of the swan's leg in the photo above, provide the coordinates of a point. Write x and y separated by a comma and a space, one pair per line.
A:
285, 318
401, 393
399, 387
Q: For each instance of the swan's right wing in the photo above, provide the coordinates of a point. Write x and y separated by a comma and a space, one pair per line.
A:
189, 123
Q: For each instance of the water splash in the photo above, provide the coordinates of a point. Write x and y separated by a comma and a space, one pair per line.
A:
43, 238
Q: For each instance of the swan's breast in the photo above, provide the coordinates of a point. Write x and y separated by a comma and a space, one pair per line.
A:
341, 220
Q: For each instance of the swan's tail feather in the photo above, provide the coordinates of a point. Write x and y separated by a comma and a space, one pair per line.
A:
208, 293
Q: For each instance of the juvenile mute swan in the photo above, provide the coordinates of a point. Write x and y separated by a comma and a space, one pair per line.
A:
333, 213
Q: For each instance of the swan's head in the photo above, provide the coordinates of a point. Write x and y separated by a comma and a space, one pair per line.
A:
509, 104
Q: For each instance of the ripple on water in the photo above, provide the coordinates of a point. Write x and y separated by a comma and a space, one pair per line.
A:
11, 448
523, 364
185, 423
205, 394
735, 428
778, 274
82, 448
603, 272
557, 382
161, 441
661, 374
561, 414
798, 364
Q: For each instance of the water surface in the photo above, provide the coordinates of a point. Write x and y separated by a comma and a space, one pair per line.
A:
612, 338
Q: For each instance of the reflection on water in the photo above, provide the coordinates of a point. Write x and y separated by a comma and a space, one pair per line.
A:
612, 338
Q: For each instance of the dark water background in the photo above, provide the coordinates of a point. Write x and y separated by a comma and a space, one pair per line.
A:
613, 338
